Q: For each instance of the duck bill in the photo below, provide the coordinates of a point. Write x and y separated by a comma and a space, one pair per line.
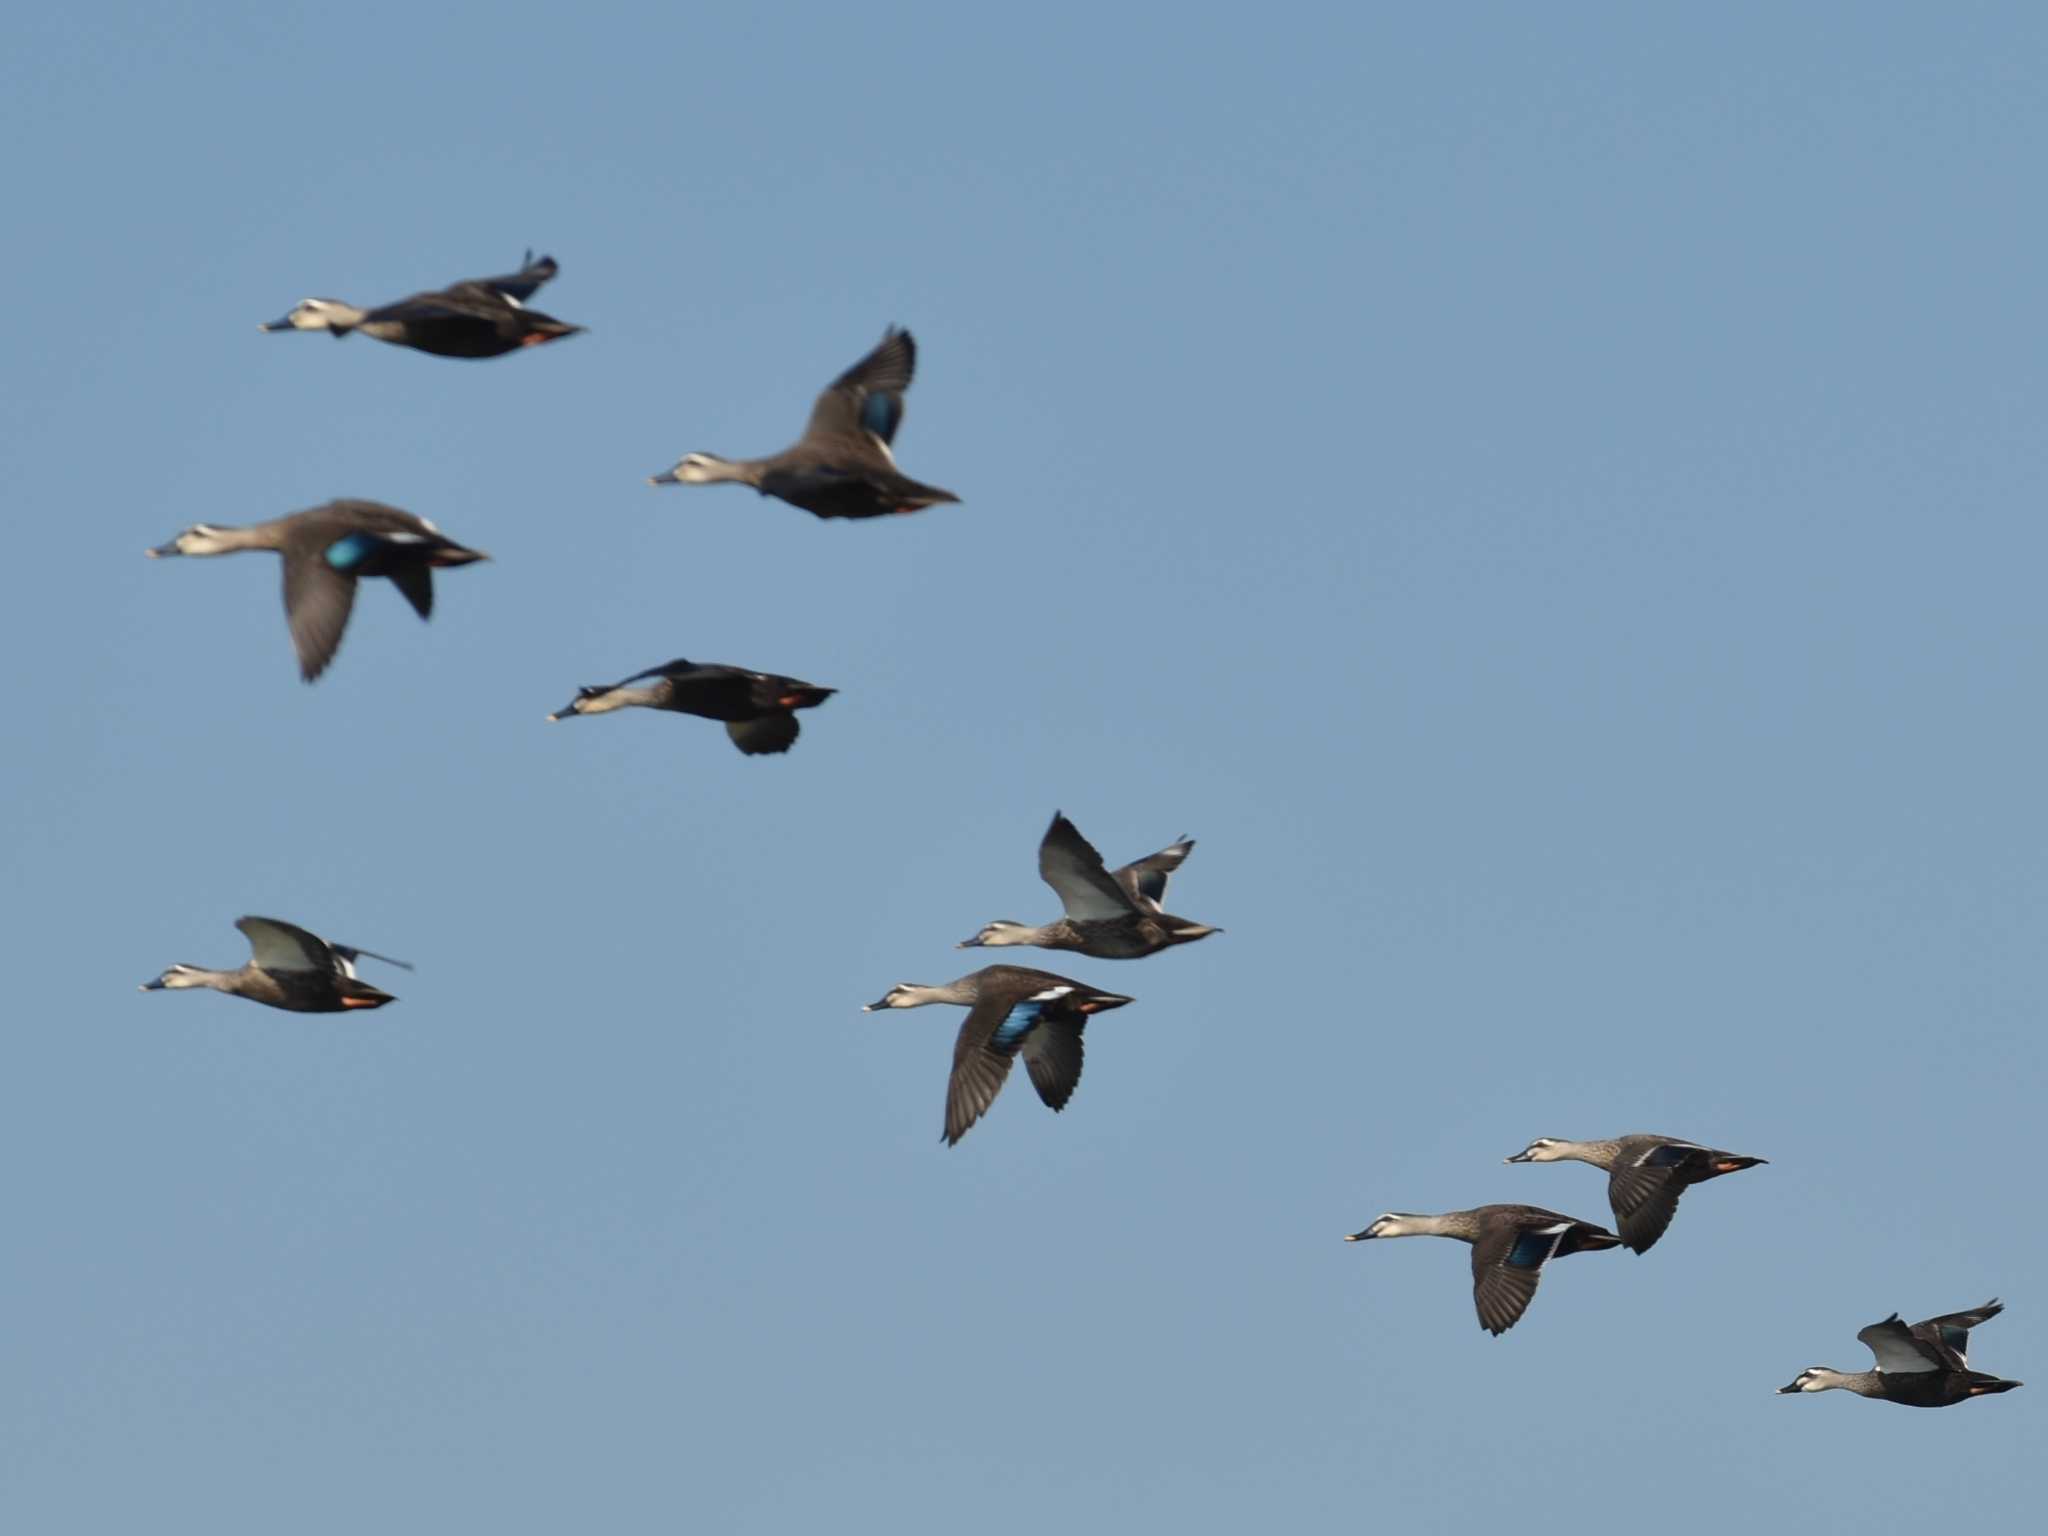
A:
164, 551
973, 943
1519, 1157
666, 477
877, 1006
1790, 1389
1358, 1237
153, 986
277, 325
568, 711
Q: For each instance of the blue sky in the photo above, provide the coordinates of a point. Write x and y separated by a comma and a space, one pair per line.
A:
1550, 501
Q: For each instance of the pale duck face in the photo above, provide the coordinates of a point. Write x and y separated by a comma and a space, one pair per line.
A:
1815, 1378
316, 315
199, 539
996, 935
178, 976
693, 469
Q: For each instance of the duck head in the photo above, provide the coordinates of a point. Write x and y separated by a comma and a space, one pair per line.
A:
176, 978
199, 539
695, 469
318, 315
1815, 1378
999, 934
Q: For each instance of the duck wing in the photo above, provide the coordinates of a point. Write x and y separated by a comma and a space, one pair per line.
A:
1052, 1055
317, 601
1145, 879
517, 287
1070, 865
863, 407
1900, 1353
1507, 1261
350, 954
1952, 1329
1012, 1010
767, 733
276, 945
1643, 1190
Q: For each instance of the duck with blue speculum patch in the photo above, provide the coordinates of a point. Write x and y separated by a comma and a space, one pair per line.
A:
843, 465
1012, 1011
1510, 1246
326, 550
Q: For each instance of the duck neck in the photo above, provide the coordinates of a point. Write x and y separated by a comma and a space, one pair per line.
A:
964, 992
1449, 1224
1601, 1154
616, 698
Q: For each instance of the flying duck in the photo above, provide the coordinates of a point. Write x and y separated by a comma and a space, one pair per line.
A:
482, 317
287, 968
1011, 1011
842, 466
326, 550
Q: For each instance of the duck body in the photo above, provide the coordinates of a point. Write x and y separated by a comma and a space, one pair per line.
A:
1646, 1174
481, 317
1919, 1365
289, 968
326, 550
844, 465
1011, 1011
758, 708
1510, 1246
1110, 914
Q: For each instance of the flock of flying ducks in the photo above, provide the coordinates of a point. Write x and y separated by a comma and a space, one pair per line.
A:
843, 466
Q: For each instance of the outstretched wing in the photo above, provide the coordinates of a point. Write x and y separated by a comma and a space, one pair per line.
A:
1146, 878
1071, 866
1052, 1055
518, 287
864, 405
1899, 1352
1507, 1262
276, 945
317, 600
1952, 1329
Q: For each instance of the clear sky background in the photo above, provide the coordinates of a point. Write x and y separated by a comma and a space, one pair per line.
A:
1550, 497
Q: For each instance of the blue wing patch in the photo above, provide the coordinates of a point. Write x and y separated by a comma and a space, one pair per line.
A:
351, 550
1018, 1023
1532, 1249
881, 413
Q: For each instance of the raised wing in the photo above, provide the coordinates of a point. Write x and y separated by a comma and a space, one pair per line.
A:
1145, 879
349, 954
1899, 1352
1072, 867
519, 286
1952, 1329
276, 945
864, 405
